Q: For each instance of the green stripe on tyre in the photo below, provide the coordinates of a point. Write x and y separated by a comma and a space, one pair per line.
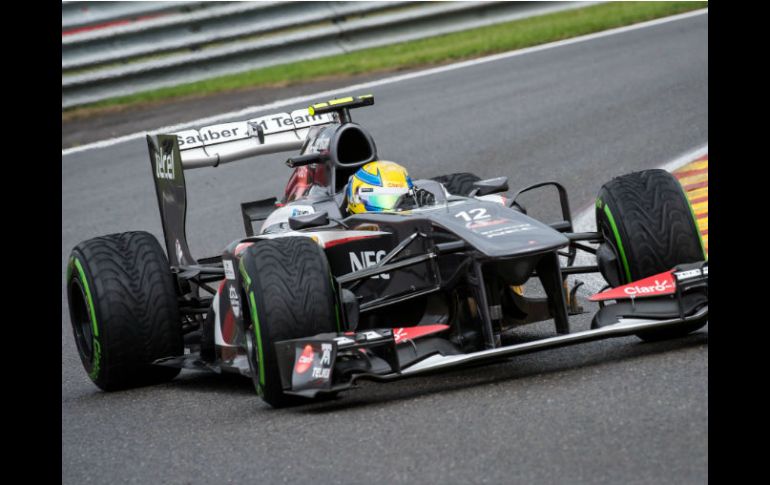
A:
619, 243
97, 348
244, 273
255, 319
88, 297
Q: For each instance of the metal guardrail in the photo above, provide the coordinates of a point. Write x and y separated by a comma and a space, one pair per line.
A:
226, 38
83, 14
224, 22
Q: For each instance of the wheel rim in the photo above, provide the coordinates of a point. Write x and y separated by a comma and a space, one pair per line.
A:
81, 320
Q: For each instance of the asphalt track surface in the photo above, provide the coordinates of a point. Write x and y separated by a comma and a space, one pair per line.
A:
606, 412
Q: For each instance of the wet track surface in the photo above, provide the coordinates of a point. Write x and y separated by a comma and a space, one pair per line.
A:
605, 412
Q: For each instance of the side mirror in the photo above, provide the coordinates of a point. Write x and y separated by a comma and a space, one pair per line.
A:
489, 186
306, 221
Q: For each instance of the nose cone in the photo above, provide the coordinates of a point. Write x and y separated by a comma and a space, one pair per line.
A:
498, 231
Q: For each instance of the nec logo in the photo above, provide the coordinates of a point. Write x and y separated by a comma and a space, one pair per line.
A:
367, 259
164, 165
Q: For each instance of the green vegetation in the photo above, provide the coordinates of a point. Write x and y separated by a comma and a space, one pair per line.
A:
426, 52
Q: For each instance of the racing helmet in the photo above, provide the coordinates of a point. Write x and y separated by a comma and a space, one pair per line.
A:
377, 187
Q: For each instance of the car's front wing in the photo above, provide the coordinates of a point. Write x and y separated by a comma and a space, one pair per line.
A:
334, 362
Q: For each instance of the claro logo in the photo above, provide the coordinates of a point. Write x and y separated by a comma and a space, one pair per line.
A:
646, 290
305, 360
367, 259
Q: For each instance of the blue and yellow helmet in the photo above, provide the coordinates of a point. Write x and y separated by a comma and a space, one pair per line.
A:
377, 187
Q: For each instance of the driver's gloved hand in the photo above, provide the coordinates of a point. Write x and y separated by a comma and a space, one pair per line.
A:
424, 197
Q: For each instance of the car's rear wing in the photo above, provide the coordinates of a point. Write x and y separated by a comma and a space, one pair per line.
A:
173, 153
227, 142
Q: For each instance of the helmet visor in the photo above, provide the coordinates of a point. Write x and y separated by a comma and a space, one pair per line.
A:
383, 198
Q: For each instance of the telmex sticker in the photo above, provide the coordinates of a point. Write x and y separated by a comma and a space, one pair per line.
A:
683, 275
228, 265
238, 130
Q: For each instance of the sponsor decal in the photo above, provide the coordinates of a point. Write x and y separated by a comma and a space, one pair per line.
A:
478, 219
225, 132
502, 231
491, 222
371, 335
685, 275
410, 333
344, 340
301, 211
323, 370
305, 360
344, 240
229, 272
164, 163
326, 358
222, 324
367, 259
656, 285
235, 301
279, 122
282, 215
227, 330
210, 135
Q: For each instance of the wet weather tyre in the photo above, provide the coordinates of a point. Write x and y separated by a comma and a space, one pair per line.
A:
458, 183
123, 310
648, 224
289, 294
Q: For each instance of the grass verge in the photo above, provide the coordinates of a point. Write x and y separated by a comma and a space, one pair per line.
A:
425, 52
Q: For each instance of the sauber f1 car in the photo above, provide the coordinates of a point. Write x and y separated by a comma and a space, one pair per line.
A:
314, 298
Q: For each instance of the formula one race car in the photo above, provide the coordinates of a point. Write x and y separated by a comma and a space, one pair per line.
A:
316, 298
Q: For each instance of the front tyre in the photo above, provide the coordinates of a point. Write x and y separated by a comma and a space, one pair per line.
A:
123, 310
648, 228
288, 294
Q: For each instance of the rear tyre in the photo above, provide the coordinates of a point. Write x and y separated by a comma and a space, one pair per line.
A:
648, 228
288, 294
458, 183
123, 309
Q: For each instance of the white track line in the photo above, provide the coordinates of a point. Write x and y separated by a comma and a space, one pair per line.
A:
381, 82
585, 222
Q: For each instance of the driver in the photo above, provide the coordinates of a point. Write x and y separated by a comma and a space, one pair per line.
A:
378, 187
